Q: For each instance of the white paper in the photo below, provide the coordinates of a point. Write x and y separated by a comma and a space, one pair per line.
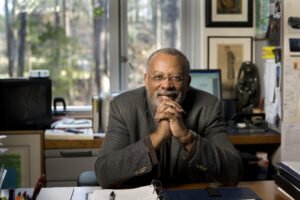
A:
270, 110
57, 193
290, 141
140, 193
270, 79
290, 92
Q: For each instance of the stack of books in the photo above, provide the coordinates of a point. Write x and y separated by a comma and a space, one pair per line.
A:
288, 178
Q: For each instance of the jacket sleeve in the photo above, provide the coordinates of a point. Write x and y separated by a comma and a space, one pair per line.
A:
213, 152
120, 159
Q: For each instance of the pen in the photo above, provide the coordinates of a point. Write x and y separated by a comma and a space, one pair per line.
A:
112, 196
38, 187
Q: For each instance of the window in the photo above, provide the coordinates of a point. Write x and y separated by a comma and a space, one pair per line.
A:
67, 37
151, 25
92, 46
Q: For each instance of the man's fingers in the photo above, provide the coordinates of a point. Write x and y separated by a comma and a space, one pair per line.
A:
172, 104
167, 114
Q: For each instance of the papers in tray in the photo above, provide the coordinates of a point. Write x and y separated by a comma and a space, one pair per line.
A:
72, 123
60, 134
2, 150
140, 193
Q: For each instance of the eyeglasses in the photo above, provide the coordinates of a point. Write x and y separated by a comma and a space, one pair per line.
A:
177, 79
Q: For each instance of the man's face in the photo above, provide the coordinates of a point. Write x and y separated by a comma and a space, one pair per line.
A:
167, 79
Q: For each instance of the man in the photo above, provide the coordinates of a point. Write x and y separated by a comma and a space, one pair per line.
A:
167, 131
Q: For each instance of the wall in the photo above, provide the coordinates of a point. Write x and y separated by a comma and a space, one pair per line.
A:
291, 87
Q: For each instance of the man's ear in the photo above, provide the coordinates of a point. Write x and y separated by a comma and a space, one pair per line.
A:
146, 80
189, 82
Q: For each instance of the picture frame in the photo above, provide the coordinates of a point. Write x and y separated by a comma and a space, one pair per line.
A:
24, 156
227, 53
224, 14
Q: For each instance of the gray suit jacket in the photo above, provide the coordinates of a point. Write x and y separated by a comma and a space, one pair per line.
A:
127, 157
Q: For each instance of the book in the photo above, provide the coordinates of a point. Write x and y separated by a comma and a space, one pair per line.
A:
287, 186
95, 113
291, 167
289, 177
68, 134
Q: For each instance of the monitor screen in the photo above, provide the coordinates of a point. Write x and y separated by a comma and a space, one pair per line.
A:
25, 104
207, 80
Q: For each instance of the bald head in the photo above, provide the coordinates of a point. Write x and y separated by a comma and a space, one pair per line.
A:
174, 52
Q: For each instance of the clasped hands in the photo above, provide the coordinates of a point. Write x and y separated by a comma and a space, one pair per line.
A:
170, 123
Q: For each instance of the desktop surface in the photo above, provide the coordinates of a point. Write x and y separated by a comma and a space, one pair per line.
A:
267, 190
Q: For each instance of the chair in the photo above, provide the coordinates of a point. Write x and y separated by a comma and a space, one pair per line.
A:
87, 178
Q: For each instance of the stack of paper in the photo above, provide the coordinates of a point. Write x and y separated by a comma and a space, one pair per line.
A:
72, 123
2, 150
2, 170
288, 178
69, 134
140, 193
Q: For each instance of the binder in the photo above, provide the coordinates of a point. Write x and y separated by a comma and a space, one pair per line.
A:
289, 177
292, 168
225, 194
287, 186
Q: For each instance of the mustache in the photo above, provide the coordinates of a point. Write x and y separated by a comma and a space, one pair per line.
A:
167, 93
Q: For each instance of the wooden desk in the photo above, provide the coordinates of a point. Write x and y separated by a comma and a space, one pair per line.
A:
73, 144
267, 190
252, 139
255, 139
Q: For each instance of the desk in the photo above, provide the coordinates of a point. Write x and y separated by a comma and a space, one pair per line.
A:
267, 190
244, 143
251, 139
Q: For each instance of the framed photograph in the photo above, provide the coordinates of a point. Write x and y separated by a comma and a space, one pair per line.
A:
227, 54
24, 158
229, 13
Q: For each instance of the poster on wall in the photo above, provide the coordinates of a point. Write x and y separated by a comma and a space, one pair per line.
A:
234, 13
227, 54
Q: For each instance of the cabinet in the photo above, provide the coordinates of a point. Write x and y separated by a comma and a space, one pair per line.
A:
24, 157
63, 166
65, 160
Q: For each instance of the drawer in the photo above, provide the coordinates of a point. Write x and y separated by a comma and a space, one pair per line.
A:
67, 168
54, 153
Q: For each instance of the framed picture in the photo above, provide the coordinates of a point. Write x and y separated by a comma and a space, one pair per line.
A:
24, 158
229, 13
227, 54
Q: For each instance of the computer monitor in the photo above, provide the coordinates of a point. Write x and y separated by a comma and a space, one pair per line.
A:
207, 80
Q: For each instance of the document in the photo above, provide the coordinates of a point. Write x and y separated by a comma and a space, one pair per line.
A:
290, 141
270, 79
69, 134
140, 193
